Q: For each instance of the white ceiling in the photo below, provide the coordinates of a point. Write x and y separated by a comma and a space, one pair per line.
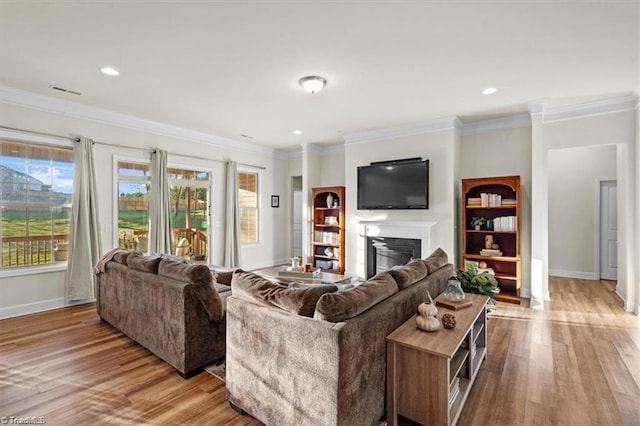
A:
231, 68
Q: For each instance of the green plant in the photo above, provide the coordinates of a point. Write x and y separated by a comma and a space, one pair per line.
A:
473, 282
478, 221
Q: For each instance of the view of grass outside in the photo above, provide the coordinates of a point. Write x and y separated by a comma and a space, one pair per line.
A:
35, 199
188, 203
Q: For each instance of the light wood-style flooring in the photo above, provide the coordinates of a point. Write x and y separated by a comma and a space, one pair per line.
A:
577, 362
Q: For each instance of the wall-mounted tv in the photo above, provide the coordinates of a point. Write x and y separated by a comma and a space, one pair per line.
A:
396, 184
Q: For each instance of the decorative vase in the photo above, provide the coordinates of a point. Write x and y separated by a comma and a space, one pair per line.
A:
330, 200
453, 292
488, 241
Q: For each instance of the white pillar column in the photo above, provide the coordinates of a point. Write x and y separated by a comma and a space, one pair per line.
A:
539, 209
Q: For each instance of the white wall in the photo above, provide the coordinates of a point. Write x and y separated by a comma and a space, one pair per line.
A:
439, 148
615, 128
36, 292
332, 167
573, 184
504, 152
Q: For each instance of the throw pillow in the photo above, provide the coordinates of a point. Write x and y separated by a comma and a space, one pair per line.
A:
436, 260
185, 272
300, 301
121, 257
336, 307
144, 263
410, 273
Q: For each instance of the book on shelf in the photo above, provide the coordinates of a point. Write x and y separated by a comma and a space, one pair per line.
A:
490, 252
504, 223
474, 202
326, 237
489, 200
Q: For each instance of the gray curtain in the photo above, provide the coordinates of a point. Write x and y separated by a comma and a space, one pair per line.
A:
84, 235
232, 217
159, 205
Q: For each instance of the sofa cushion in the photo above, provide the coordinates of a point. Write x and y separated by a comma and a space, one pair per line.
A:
121, 257
409, 274
300, 301
436, 260
339, 306
223, 276
184, 271
143, 263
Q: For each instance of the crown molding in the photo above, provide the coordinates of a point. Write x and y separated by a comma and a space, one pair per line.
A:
511, 121
605, 106
436, 125
538, 106
321, 150
21, 98
282, 154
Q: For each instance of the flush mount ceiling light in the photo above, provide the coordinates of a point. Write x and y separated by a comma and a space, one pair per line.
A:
110, 71
297, 132
312, 83
489, 91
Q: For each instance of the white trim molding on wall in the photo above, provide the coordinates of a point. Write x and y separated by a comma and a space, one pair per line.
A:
36, 307
573, 274
21, 98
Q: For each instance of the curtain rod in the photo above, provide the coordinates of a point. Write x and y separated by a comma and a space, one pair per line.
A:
122, 146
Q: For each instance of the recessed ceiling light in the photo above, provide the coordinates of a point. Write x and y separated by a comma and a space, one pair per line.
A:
489, 91
297, 132
109, 71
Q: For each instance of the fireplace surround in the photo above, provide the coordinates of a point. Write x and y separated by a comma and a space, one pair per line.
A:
391, 243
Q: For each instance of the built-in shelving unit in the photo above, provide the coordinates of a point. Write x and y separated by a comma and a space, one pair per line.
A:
328, 238
497, 200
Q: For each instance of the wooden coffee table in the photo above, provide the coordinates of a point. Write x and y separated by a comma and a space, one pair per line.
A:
323, 278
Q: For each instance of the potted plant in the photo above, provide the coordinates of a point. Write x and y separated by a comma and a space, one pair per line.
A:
477, 222
473, 282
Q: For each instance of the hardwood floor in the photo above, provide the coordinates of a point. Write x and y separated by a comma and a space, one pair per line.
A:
577, 362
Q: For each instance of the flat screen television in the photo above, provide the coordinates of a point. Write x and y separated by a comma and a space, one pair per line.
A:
397, 184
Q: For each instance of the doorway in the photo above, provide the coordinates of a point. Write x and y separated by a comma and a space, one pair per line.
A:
296, 244
608, 230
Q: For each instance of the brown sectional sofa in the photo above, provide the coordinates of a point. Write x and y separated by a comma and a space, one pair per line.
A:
316, 355
169, 306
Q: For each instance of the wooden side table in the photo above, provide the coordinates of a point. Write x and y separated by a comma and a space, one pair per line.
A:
430, 374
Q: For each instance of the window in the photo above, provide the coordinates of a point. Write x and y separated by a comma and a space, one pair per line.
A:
189, 196
133, 205
36, 186
248, 195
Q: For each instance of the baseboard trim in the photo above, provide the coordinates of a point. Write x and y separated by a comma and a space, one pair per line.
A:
573, 274
36, 307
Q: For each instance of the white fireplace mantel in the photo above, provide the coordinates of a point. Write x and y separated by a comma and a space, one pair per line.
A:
399, 229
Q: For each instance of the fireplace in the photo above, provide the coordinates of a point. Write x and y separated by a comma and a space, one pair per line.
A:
386, 244
383, 253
